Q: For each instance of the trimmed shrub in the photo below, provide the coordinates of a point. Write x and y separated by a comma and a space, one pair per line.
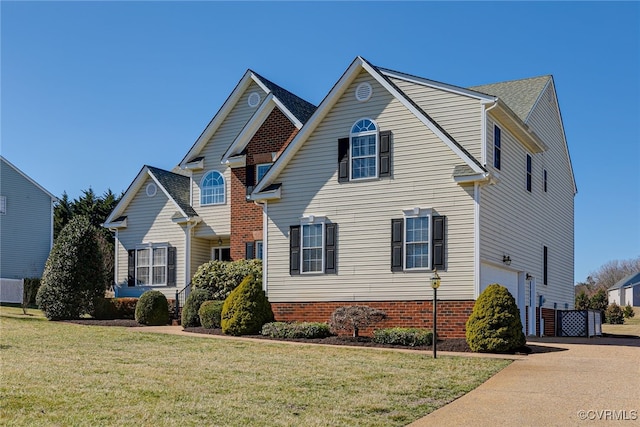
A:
306, 330
210, 314
221, 277
412, 337
115, 308
628, 312
355, 317
494, 325
614, 314
190, 318
152, 309
246, 309
73, 278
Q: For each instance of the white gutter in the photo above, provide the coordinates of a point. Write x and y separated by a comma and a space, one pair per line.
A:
485, 110
476, 240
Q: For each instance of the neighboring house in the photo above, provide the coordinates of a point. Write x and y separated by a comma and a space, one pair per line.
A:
395, 175
26, 224
168, 223
626, 291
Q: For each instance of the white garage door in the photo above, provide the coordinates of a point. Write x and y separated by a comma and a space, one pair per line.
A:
490, 274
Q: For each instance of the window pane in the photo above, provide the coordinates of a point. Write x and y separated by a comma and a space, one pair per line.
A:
159, 275
312, 248
212, 191
259, 249
417, 242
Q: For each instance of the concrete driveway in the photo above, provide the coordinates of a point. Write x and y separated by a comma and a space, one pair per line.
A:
577, 382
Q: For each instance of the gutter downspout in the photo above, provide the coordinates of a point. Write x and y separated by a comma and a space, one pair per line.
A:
476, 239
485, 110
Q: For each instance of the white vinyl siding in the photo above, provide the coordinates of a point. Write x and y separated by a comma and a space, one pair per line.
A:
520, 223
363, 244
26, 227
149, 221
459, 115
216, 219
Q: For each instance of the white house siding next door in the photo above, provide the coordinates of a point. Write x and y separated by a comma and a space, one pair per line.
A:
490, 274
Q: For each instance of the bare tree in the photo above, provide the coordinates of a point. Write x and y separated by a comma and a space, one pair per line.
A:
608, 275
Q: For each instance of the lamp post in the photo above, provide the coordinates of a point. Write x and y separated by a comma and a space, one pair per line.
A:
435, 284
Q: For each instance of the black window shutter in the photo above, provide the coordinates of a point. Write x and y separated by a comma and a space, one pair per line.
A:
330, 248
249, 250
250, 178
343, 159
384, 154
131, 275
171, 266
438, 245
294, 249
397, 226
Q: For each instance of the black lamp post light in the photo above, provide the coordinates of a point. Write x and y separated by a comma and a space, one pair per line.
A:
435, 284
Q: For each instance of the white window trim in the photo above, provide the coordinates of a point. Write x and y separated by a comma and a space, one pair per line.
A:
258, 166
417, 213
375, 156
214, 249
312, 220
151, 247
3, 205
224, 189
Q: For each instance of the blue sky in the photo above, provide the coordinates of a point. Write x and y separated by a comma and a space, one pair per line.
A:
91, 91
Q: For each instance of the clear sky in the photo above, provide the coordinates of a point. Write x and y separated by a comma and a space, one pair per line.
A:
92, 91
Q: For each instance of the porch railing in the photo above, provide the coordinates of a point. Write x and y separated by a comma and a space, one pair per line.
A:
181, 297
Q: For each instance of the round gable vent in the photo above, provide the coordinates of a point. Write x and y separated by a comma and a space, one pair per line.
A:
254, 99
364, 92
151, 189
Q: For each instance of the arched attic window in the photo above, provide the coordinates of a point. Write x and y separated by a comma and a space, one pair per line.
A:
212, 191
364, 149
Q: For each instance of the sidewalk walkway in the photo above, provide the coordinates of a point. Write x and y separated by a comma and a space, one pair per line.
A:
585, 383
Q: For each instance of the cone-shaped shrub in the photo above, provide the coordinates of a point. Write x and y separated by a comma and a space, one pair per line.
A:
190, 318
246, 309
494, 325
152, 309
73, 277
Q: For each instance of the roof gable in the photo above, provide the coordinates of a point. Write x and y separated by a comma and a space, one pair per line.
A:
332, 98
28, 178
176, 187
630, 280
295, 108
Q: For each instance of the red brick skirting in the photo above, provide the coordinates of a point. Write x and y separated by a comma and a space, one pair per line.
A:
452, 315
549, 316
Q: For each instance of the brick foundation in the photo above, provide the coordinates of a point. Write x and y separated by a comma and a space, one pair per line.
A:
452, 315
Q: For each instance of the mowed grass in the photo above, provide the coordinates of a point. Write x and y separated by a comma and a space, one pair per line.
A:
61, 374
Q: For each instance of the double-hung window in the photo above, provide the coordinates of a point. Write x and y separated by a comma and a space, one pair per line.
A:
364, 150
417, 241
212, 189
152, 265
366, 154
312, 246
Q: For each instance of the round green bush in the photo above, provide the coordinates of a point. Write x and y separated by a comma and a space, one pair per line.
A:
190, 318
73, 277
246, 309
494, 325
221, 277
614, 314
210, 314
152, 309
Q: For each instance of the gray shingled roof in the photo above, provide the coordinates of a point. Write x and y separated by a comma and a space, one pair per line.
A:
178, 187
298, 106
631, 279
519, 95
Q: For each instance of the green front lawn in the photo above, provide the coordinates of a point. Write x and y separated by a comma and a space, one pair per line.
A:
56, 373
